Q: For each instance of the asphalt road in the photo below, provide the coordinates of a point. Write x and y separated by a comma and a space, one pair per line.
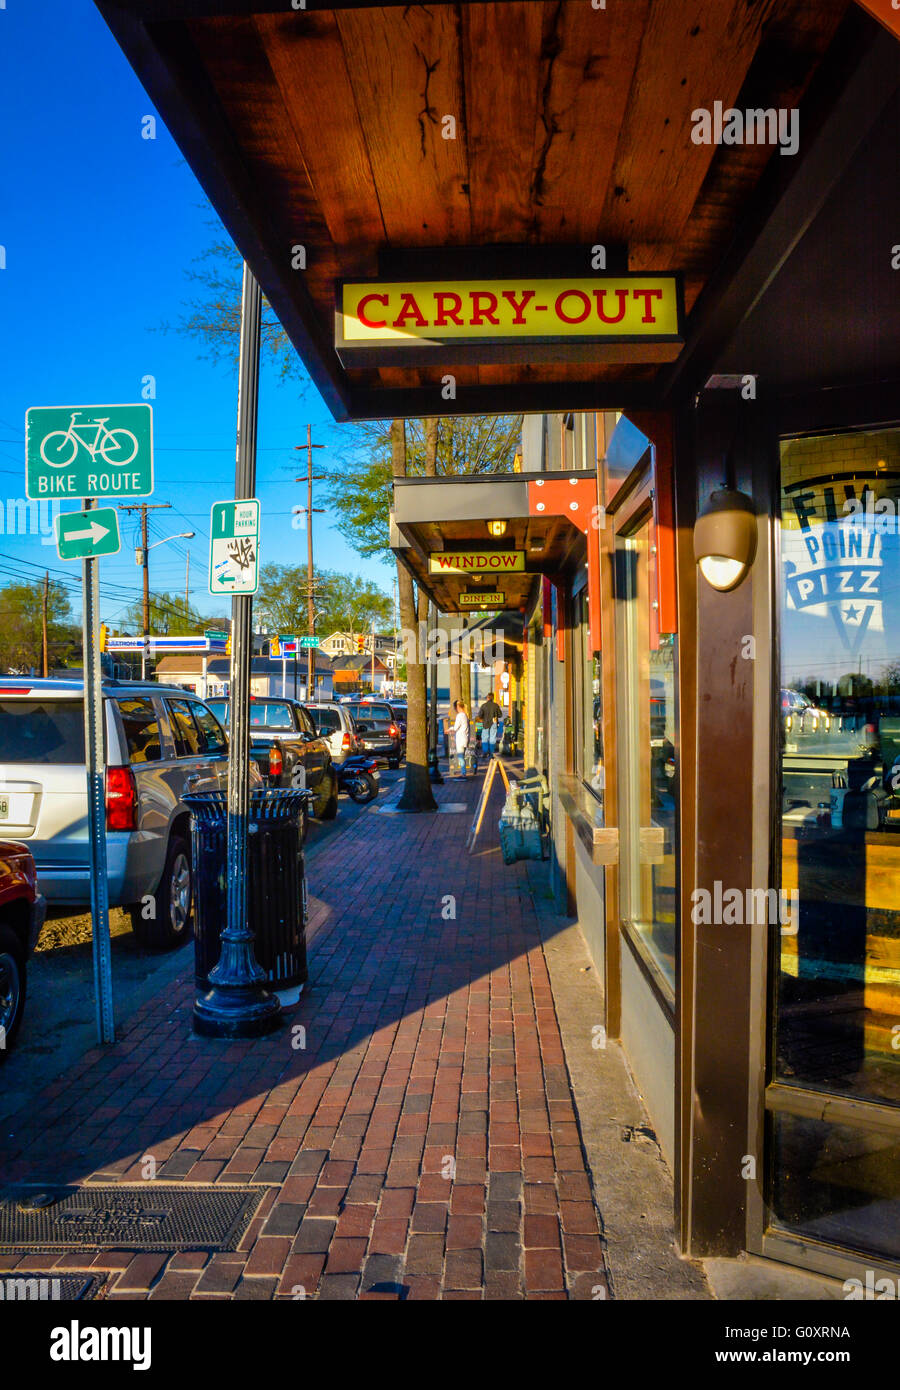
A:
59, 1023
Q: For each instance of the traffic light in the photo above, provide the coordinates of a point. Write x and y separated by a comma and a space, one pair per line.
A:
360, 644
228, 646
104, 633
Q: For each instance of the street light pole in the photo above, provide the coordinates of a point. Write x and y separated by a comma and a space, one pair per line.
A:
238, 1005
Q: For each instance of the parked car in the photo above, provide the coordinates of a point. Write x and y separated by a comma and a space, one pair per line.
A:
288, 751
337, 726
378, 730
161, 741
22, 912
401, 714
800, 716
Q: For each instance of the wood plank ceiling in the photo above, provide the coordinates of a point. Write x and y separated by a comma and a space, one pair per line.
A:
573, 126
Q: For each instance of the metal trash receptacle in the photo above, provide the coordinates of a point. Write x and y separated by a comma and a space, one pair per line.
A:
276, 886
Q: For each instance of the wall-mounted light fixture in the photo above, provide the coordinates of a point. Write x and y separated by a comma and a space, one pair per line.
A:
725, 538
497, 528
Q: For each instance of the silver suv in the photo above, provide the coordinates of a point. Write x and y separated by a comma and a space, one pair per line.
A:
337, 726
161, 741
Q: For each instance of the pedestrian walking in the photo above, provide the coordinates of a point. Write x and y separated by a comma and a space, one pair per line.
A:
462, 732
491, 716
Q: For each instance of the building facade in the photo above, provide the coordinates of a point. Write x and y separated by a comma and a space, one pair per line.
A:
699, 543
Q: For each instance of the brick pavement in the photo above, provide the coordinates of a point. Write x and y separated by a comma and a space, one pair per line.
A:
412, 1123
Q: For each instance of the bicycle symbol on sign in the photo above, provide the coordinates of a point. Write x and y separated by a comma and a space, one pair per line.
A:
59, 448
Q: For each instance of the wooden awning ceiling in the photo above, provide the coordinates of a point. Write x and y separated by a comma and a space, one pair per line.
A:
323, 127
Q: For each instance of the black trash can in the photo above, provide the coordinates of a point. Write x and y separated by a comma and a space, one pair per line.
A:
276, 889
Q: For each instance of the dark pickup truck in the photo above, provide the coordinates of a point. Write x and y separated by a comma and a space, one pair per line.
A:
288, 751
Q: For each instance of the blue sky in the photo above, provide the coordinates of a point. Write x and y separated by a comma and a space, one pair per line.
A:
99, 226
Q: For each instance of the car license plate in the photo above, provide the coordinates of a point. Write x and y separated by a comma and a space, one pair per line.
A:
4, 808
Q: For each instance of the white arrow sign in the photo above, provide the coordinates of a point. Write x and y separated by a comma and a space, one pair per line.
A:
92, 534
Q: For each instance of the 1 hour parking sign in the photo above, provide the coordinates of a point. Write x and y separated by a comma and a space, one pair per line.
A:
234, 547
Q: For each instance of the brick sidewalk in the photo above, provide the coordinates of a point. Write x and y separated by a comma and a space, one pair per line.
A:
422, 1144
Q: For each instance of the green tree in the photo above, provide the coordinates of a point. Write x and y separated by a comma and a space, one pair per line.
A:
361, 493
213, 317
21, 628
343, 602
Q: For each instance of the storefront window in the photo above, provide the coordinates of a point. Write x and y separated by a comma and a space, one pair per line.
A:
588, 703
651, 804
837, 985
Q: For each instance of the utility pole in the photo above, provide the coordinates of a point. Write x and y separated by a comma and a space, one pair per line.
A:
373, 656
187, 582
45, 661
144, 508
310, 581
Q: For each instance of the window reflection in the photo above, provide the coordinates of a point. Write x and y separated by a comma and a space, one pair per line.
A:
838, 987
651, 815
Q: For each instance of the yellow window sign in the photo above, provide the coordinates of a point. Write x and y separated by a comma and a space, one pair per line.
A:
493, 598
621, 308
476, 561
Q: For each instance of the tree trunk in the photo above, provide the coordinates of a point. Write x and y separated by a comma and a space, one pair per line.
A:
465, 685
455, 692
417, 795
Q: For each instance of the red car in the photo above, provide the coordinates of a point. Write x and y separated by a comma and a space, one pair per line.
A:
22, 912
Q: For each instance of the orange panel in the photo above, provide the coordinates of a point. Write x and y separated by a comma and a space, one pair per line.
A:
886, 12
657, 426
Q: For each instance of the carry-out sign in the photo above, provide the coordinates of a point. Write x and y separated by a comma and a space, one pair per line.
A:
234, 547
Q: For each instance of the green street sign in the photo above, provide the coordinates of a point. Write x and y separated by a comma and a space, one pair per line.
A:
309, 642
88, 451
85, 535
216, 635
234, 547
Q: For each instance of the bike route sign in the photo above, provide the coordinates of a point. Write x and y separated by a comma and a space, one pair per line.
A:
88, 451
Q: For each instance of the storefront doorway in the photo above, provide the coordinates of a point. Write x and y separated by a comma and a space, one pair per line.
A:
833, 1093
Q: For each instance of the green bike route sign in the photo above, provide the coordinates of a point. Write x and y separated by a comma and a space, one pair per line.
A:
85, 535
88, 451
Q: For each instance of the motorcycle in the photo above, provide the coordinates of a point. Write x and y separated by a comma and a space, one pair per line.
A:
358, 777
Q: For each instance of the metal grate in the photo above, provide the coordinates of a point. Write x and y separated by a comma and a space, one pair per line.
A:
146, 1216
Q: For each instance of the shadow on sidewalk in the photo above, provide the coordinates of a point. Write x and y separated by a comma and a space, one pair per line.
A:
406, 930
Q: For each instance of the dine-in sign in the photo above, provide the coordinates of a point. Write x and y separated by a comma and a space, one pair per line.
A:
490, 598
476, 561
618, 308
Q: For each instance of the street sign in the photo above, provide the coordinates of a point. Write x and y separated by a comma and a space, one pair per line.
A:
88, 451
216, 634
168, 644
309, 642
234, 547
86, 535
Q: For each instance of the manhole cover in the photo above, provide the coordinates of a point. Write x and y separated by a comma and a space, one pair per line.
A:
145, 1217
43, 1286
